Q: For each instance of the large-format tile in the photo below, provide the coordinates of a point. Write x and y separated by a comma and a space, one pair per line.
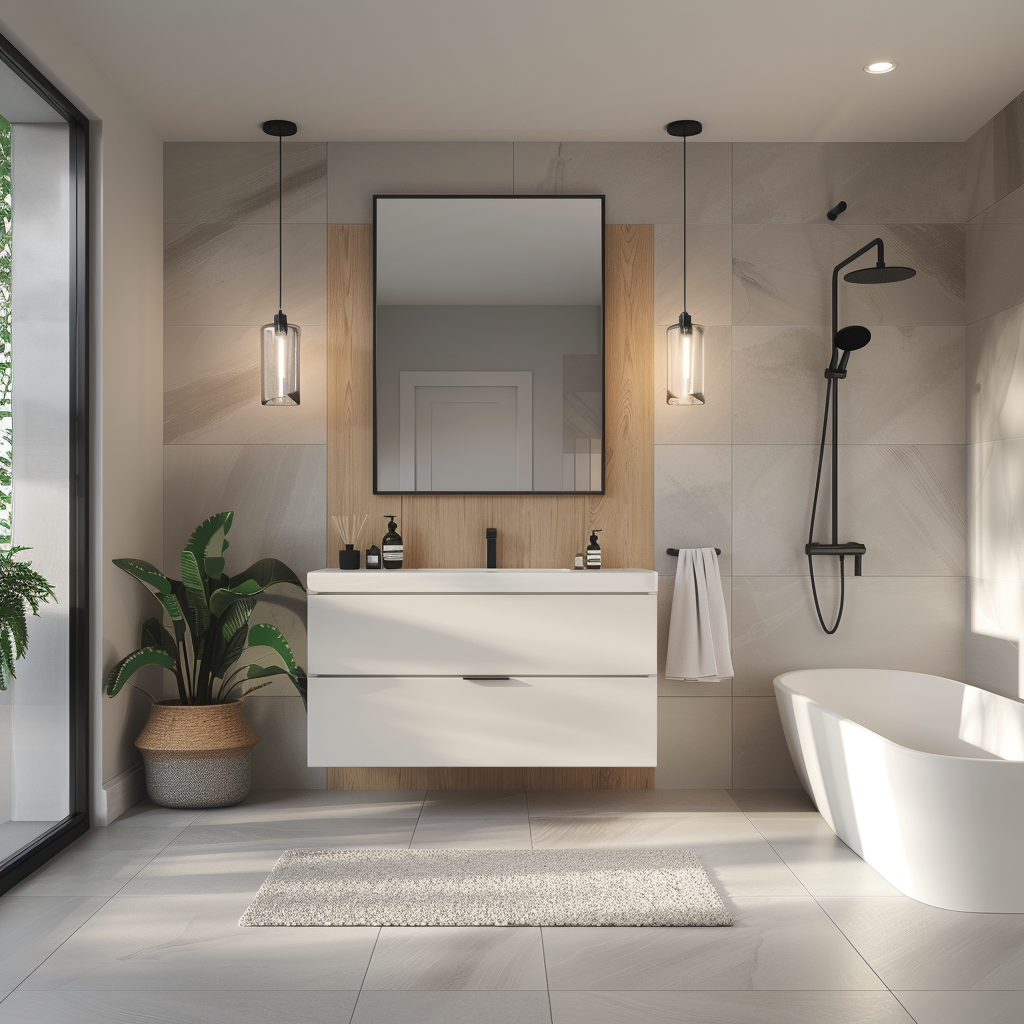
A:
356, 171
995, 353
257, 1006
475, 803
613, 802
906, 387
278, 808
946, 1007
936, 295
708, 276
994, 251
227, 274
212, 389
906, 503
781, 273
32, 927
757, 802
694, 743
734, 1007
881, 182
313, 832
710, 423
466, 833
457, 958
686, 687
237, 182
910, 945
279, 759
995, 157
779, 943
910, 623
194, 943
452, 1008
643, 182
98, 864
996, 548
147, 814
996, 609
278, 494
760, 756
692, 501
209, 869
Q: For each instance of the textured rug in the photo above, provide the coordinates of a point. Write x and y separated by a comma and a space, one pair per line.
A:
487, 887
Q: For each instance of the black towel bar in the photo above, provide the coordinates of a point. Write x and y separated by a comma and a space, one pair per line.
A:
675, 551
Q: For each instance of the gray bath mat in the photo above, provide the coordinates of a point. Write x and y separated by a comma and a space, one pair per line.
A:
487, 887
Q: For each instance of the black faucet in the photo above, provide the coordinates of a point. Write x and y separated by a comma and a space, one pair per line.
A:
492, 547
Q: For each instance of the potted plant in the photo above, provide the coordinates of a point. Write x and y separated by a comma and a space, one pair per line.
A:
20, 585
197, 747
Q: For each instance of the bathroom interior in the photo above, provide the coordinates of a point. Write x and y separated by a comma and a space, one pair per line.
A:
740, 319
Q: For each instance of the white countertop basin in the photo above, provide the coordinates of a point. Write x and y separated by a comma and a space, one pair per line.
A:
482, 581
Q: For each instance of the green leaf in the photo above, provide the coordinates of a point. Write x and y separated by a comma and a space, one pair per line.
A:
127, 667
268, 572
265, 635
195, 591
221, 600
156, 583
209, 542
233, 649
155, 635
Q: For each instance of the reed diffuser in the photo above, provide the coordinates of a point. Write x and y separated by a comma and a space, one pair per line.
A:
349, 533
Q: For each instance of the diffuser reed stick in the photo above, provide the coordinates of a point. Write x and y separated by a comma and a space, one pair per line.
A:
347, 529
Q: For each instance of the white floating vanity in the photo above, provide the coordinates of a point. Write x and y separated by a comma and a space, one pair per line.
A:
482, 668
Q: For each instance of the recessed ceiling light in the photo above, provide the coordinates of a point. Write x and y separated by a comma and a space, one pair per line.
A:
880, 68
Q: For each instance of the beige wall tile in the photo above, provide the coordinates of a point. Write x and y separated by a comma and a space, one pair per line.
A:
710, 423
686, 687
996, 522
212, 389
227, 274
995, 252
995, 157
993, 661
995, 375
708, 273
760, 758
911, 623
237, 182
692, 501
694, 743
643, 181
356, 171
883, 182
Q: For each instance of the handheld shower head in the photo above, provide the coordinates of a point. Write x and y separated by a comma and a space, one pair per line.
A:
849, 339
879, 274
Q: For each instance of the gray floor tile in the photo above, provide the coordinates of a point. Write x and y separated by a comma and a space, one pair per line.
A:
32, 927
913, 946
206, 869
194, 943
305, 832
451, 1008
833, 869
479, 803
961, 1007
472, 833
780, 943
98, 864
727, 1008
747, 869
625, 831
547, 803
286, 806
148, 815
181, 1007
772, 800
457, 958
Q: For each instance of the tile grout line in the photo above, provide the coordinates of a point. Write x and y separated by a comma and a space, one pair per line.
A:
547, 981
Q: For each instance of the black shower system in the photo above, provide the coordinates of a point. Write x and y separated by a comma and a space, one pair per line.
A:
844, 341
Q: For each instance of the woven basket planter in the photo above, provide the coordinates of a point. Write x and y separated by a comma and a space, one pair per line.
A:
197, 756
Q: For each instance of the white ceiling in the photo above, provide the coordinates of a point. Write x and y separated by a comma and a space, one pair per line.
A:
751, 70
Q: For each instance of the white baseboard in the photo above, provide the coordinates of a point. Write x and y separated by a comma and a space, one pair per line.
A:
120, 793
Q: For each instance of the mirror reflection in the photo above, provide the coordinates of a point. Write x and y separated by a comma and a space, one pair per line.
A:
489, 331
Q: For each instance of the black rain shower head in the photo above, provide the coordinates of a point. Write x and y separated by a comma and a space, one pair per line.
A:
879, 274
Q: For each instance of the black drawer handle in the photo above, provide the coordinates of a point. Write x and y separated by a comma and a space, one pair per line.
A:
486, 679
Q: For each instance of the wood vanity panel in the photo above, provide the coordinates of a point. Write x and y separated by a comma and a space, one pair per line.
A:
534, 531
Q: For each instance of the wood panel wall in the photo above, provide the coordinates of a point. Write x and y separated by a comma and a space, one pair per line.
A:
534, 531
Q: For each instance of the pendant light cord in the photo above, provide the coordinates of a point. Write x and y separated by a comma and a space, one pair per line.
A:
684, 223
280, 223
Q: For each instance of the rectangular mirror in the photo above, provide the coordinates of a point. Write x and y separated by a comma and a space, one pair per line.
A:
488, 344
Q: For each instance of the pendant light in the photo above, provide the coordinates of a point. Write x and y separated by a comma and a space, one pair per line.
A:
279, 341
685, 340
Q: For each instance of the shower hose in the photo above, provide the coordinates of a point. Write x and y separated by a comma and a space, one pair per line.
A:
831, 397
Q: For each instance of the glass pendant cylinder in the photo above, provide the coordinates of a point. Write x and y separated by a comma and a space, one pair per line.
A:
279, 347
685, 342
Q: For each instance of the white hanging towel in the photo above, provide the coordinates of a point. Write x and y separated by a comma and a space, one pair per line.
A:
698, 632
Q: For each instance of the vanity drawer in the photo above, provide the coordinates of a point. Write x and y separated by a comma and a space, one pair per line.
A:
454, 722
482, 634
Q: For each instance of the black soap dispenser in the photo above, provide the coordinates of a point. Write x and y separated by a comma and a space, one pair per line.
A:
593, 551
391, 546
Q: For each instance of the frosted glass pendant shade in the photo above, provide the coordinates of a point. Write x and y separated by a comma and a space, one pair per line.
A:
685, 364
280, 356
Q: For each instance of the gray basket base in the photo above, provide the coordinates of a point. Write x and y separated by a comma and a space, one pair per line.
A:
199, 782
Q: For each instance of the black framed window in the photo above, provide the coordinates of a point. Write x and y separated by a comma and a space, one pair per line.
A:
44, 462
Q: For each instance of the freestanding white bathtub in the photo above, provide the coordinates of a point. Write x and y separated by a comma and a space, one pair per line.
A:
922, 776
